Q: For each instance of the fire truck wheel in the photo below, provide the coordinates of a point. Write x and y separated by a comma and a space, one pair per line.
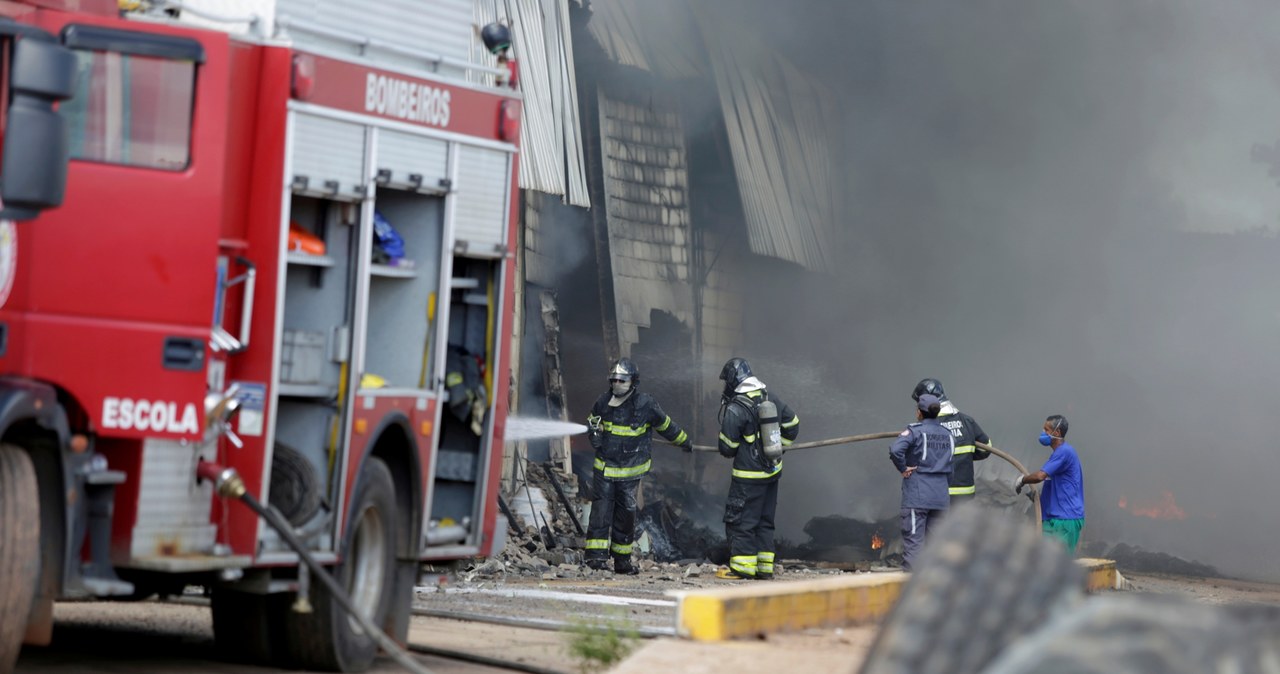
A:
327, 638
245, 625
295, 487
982, 581
19, 549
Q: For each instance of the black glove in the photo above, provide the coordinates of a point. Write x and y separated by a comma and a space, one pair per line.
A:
687, 445
1018, 484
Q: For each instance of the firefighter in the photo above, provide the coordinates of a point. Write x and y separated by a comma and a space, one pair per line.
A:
753, 491
966, 431
922, 453
621, 426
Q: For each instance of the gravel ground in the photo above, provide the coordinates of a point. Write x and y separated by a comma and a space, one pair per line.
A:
159, 638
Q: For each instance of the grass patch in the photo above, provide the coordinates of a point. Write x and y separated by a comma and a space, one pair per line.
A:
600, 644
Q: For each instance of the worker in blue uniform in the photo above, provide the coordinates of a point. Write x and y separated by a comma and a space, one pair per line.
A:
922, 453
1062, 502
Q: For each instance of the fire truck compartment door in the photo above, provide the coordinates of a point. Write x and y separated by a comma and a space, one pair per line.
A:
480, 225
406, 156
329, 155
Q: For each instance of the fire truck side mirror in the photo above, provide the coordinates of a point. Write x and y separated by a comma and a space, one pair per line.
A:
35, 136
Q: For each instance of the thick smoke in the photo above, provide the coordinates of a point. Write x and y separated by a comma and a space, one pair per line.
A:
1052, 208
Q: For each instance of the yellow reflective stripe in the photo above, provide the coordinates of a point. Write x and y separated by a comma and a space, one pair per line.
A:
765, 567
765, 556
628, 471
756, 474
785, 442
725, 439
665, 423
620, 549
964, 449
597, 544
960, 491
794, 420
749, 438
681, 438
627, 431
743, 564
754, 394
452, 379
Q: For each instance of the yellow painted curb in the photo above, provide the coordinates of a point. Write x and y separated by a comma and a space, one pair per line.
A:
1100, 574
753, 608
785, 606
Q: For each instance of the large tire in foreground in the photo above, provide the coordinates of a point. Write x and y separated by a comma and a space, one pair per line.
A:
19, 549
328, 638
984, 579
1145, 634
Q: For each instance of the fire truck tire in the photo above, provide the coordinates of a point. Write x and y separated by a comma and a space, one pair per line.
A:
19, 549
245, 625
327, 638
295, 487
983, 580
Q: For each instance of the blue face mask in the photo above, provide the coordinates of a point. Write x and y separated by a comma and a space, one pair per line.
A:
1045, 438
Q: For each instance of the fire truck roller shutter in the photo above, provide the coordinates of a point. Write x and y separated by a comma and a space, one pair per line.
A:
412, 162
482, 192
327, 639
328, 157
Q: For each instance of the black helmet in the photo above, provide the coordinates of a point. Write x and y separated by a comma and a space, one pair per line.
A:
624, 370
496, 37
735, 371
931, 386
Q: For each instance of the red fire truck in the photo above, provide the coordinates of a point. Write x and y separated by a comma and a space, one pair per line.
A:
285, 263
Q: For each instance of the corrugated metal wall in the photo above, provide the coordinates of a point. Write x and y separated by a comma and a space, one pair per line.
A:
550, 131
646, 188
781, 123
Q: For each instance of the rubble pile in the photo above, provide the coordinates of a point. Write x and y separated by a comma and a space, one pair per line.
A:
1133, 558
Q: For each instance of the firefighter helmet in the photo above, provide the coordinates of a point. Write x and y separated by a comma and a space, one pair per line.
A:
932, 387
623, 376
735, 371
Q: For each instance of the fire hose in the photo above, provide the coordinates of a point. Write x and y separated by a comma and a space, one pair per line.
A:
228, 484
850, 439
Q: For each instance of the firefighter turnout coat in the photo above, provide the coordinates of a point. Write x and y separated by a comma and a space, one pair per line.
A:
622, 435
740, 434
965, 431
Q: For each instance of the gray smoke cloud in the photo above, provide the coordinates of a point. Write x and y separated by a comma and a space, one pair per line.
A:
1051, 207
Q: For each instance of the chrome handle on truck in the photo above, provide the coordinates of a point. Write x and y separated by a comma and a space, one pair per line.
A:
223, 340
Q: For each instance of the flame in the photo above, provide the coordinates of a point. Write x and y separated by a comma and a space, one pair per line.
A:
1163, 509
876, 541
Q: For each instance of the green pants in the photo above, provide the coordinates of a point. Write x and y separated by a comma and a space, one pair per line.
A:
1067, 531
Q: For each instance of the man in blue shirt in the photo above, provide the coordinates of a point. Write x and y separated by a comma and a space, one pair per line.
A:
1062, 502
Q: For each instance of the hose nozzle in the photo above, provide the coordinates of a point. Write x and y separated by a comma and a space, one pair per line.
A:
226, 481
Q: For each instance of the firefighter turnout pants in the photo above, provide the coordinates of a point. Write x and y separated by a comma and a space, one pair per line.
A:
748, 519
612, 527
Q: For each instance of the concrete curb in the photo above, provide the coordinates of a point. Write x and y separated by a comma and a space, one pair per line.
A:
751, 609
